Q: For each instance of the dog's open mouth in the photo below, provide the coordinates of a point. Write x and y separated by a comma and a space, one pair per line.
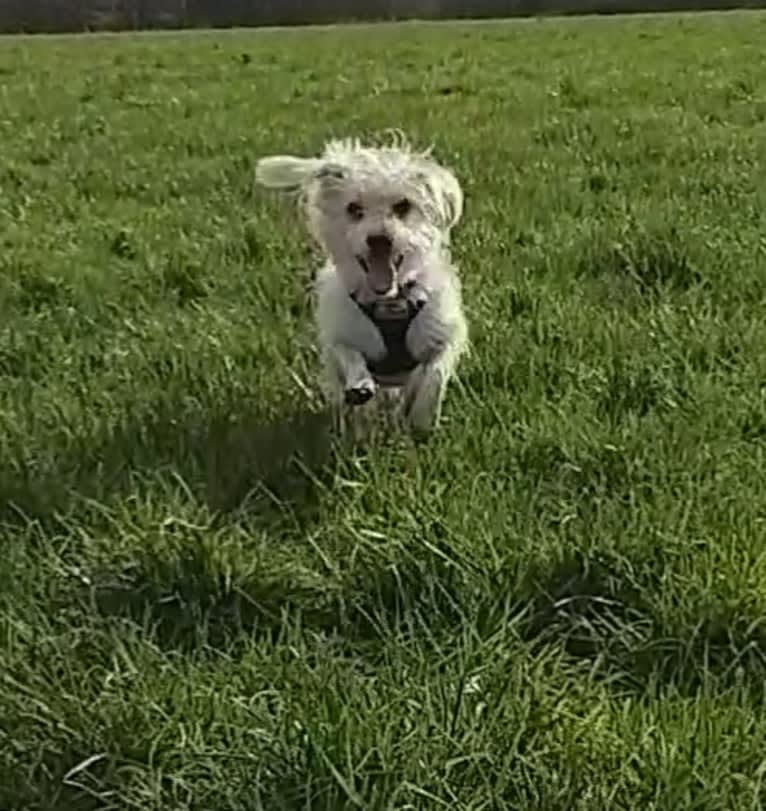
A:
381, 270
394, 263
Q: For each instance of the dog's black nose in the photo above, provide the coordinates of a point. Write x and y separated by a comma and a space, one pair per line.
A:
379, 243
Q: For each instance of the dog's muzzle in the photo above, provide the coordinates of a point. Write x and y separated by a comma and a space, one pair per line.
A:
380, 264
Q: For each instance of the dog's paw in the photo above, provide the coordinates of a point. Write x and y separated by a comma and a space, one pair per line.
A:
360, 394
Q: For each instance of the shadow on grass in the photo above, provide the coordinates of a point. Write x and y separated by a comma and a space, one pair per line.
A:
222, 459
47, 791
188, 599
282, 780
185, 601
598, 616
284, 456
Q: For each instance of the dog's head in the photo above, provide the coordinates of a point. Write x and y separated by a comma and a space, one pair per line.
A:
382, 213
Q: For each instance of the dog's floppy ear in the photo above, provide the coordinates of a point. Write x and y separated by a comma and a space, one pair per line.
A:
290, 173
449, 196
445, 192
285, 171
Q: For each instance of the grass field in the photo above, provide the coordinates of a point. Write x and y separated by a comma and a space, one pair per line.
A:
556, 603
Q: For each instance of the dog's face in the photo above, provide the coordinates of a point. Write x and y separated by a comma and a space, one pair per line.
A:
382, 214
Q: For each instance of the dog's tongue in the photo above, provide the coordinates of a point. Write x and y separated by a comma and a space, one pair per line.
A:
381, 271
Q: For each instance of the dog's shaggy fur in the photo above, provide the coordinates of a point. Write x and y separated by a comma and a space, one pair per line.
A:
383, 216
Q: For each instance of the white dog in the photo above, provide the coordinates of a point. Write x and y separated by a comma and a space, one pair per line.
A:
389, 309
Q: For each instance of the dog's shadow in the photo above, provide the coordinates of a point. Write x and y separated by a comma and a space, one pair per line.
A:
186, 601
223, 460
284, 458
188, 595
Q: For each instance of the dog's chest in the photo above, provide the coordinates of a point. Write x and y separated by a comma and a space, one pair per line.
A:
392, 319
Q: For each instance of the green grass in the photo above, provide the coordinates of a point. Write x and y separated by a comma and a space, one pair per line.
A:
556, 603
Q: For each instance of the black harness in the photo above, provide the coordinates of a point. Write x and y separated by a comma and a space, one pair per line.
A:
392, 319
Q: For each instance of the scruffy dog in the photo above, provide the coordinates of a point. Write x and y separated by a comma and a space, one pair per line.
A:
389, 309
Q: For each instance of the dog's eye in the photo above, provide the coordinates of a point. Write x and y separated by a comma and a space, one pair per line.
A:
355, 211
402, 208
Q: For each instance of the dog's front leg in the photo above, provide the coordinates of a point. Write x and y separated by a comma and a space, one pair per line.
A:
425, 389
356, 382
352, 387
438, 337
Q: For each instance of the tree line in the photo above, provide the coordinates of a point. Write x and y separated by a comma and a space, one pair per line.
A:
36, 16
